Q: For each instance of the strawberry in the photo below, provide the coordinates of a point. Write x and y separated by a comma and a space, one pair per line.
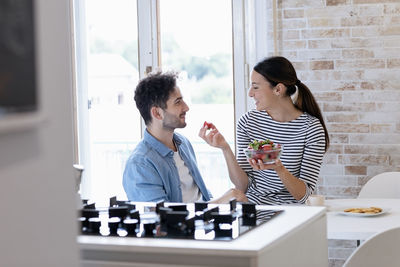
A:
258, 156
264, 157
209, 125
266, 147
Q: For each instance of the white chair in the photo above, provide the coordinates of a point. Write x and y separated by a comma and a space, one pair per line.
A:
384, 185
382, 249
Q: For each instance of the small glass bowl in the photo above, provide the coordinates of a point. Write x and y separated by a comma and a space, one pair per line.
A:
267, 156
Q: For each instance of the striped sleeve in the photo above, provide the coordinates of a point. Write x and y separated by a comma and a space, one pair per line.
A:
312, 156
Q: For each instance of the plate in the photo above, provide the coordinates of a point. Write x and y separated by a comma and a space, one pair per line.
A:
356, 214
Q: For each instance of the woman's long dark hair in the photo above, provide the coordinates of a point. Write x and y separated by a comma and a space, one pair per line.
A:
279, 70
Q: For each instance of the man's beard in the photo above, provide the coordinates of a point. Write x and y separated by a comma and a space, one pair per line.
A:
172, 122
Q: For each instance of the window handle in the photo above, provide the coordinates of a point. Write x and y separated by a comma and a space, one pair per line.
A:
148, 70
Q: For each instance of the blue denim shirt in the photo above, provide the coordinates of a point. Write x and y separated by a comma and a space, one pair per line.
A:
151, 174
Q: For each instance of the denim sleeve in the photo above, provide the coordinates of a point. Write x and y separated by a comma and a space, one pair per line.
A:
143, 183
209, 194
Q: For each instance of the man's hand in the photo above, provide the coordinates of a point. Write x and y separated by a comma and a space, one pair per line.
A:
213, 137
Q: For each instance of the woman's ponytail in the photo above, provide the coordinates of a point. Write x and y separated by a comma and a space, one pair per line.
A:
306, 102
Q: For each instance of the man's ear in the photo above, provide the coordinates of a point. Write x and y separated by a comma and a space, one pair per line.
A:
156, 113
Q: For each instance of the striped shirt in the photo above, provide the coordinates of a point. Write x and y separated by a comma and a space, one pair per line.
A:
303, 142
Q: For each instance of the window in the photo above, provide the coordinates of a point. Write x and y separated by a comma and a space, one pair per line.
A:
117, 41
201, 49
110, 121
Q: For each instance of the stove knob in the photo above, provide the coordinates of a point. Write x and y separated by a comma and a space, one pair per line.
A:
134, 214
149, 227
176, 218
248, 209
83, 224
130, 226
163, 214
94, 225
249, 220
113, 223
190, 224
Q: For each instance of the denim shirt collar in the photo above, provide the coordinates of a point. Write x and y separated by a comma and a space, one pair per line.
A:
158, 146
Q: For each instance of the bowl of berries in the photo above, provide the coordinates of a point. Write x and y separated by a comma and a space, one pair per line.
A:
264, 150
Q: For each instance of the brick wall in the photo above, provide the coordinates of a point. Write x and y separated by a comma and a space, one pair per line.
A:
348, 53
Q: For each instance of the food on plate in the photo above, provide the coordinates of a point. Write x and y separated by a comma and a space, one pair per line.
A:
370, 210
209, 125
266, 150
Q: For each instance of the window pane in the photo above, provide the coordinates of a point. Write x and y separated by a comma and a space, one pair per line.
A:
196, 40
112, 77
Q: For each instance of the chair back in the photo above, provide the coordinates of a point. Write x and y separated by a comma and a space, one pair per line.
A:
384, 185
382, 250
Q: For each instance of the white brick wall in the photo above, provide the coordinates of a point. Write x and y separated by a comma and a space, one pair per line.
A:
348, 53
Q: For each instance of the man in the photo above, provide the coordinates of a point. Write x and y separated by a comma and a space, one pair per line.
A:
163, 165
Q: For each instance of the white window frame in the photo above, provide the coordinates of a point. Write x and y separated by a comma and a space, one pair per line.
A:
148, 38
249, 23
250, 28
82, 98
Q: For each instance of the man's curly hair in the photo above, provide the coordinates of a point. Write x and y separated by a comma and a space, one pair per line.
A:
154, 91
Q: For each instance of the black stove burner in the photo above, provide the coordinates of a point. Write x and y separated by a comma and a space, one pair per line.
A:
199, 221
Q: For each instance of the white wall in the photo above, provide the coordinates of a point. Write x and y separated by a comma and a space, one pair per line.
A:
37, 204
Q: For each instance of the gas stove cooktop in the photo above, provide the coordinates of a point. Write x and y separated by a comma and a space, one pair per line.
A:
197, 221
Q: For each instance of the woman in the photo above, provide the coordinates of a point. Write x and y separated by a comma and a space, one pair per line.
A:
297, 125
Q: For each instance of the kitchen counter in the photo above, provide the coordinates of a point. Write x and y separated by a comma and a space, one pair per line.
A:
296, 237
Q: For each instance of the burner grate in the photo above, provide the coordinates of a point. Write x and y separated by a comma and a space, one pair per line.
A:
197, 221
